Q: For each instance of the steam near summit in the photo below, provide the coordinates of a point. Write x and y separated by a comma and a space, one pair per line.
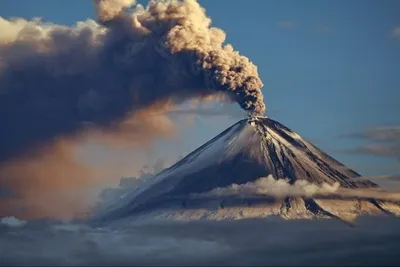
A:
59, 82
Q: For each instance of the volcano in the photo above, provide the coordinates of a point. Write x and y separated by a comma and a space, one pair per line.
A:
252, 148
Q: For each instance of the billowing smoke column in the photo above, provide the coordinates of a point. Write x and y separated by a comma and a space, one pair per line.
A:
54, 80
58, 82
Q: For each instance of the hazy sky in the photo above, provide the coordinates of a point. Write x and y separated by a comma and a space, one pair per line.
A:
331, 72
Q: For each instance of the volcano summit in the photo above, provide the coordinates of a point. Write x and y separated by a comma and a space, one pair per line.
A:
222, 179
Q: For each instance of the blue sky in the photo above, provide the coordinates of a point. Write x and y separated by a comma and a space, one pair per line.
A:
330, 68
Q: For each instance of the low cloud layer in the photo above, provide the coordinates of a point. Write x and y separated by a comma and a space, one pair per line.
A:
373, 241
281, 188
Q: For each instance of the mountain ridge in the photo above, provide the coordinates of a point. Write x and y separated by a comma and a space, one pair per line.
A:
249, 149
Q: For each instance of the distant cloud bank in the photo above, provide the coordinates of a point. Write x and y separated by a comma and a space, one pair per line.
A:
373, 241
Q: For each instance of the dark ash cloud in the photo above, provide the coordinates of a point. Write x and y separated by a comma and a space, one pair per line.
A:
373, 241
57, 81
208, 112
105, 79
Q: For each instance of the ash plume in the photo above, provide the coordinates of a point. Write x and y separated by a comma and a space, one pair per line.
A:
109, 9
53, 184
106, 75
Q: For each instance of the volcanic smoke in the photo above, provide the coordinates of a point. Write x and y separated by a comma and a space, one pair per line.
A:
59, 82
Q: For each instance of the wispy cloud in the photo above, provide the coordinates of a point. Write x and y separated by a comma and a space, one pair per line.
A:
281, 188
395, 178
209, 112
318, 28
128, 184
225, 110
381, 141
286, 24
390, 183
396, 32
323, 29
375, 167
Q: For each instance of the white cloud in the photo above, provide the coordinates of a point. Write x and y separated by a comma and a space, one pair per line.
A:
280, 188
12, 222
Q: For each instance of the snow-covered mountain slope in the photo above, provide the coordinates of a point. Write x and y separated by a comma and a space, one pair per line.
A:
252, 148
